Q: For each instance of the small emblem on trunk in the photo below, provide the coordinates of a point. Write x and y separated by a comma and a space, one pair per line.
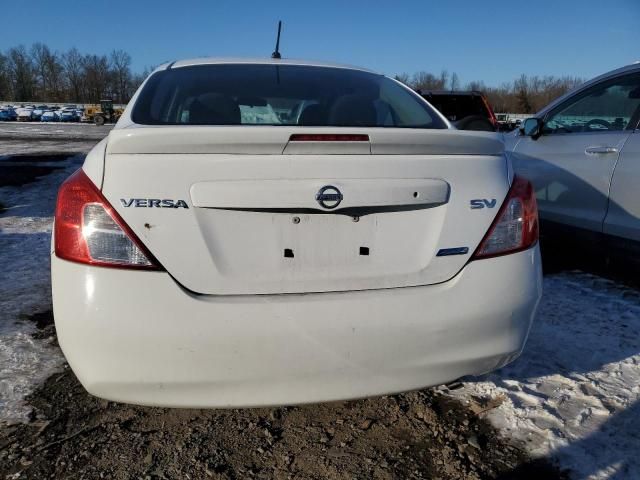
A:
153, 203
329, 197
482, 203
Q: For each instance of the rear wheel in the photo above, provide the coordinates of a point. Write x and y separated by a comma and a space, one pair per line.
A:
98, 120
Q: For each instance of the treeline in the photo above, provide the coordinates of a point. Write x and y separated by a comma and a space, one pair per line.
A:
526, 94
39, 74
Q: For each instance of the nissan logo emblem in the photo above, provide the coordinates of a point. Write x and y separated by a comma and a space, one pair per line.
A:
329, 197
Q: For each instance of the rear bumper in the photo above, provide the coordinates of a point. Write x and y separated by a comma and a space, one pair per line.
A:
137, 337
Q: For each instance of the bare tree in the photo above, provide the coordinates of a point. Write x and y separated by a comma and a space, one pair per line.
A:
21, 73
454, 82
96, 74
523, 95
39, 54
138, 78
501, 98
74, 70
39, 73
55, 73
5, 82
426, 81
521, 87
444, 79
404, 78
49, 71
476, 85
121, 67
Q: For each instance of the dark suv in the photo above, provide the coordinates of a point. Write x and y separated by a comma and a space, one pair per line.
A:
466, 110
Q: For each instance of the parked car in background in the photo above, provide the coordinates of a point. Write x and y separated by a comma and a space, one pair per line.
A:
582, 153
49, 116
466, 110
25, 114
38, 111
8, 115
68, 114
309, 258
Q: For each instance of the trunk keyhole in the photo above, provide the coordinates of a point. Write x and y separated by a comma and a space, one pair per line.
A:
288, 253
364, 250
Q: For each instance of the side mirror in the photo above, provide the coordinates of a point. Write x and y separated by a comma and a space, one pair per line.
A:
532, 127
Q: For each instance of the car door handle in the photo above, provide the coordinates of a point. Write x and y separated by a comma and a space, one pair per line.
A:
600, 150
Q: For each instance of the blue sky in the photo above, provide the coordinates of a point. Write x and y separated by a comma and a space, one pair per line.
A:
490, 40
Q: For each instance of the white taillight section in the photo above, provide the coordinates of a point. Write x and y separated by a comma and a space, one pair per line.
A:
106, 241
515, 228
88, 229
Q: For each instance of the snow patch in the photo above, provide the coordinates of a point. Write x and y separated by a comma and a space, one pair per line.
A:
574, 394
25, 288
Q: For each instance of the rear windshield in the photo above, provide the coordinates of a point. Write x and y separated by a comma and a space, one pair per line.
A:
457, 107
235, 94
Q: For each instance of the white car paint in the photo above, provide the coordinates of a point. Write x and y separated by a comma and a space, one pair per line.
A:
214, 259
234, 322
586, 179
138, 337
24, 114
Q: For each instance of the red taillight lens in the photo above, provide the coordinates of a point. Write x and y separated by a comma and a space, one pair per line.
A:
516, 225
88, 229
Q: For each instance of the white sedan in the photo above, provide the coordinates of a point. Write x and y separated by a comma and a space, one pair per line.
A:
582, 153
24, 114
206, 257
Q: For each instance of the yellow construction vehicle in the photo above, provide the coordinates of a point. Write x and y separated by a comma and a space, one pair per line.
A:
101, 113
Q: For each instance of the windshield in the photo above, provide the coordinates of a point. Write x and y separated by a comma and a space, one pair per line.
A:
238, 94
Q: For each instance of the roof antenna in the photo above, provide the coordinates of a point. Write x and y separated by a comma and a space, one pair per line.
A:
276, 53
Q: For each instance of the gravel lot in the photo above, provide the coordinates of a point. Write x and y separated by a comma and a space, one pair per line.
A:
62, 131
42, 137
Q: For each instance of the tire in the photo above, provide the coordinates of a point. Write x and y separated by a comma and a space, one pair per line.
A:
98, 120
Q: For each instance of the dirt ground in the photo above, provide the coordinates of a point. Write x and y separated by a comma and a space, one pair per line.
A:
421, 434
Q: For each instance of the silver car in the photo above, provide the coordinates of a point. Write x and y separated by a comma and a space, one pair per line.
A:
582, 153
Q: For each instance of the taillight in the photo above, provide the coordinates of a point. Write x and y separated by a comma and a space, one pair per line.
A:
88, 229
515, 228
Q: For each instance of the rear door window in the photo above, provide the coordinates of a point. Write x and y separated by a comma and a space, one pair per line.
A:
246, 94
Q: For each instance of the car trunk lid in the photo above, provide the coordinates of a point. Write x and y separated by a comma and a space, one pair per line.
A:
263, 214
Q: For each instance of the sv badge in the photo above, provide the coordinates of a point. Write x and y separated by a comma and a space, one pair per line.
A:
482, 203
